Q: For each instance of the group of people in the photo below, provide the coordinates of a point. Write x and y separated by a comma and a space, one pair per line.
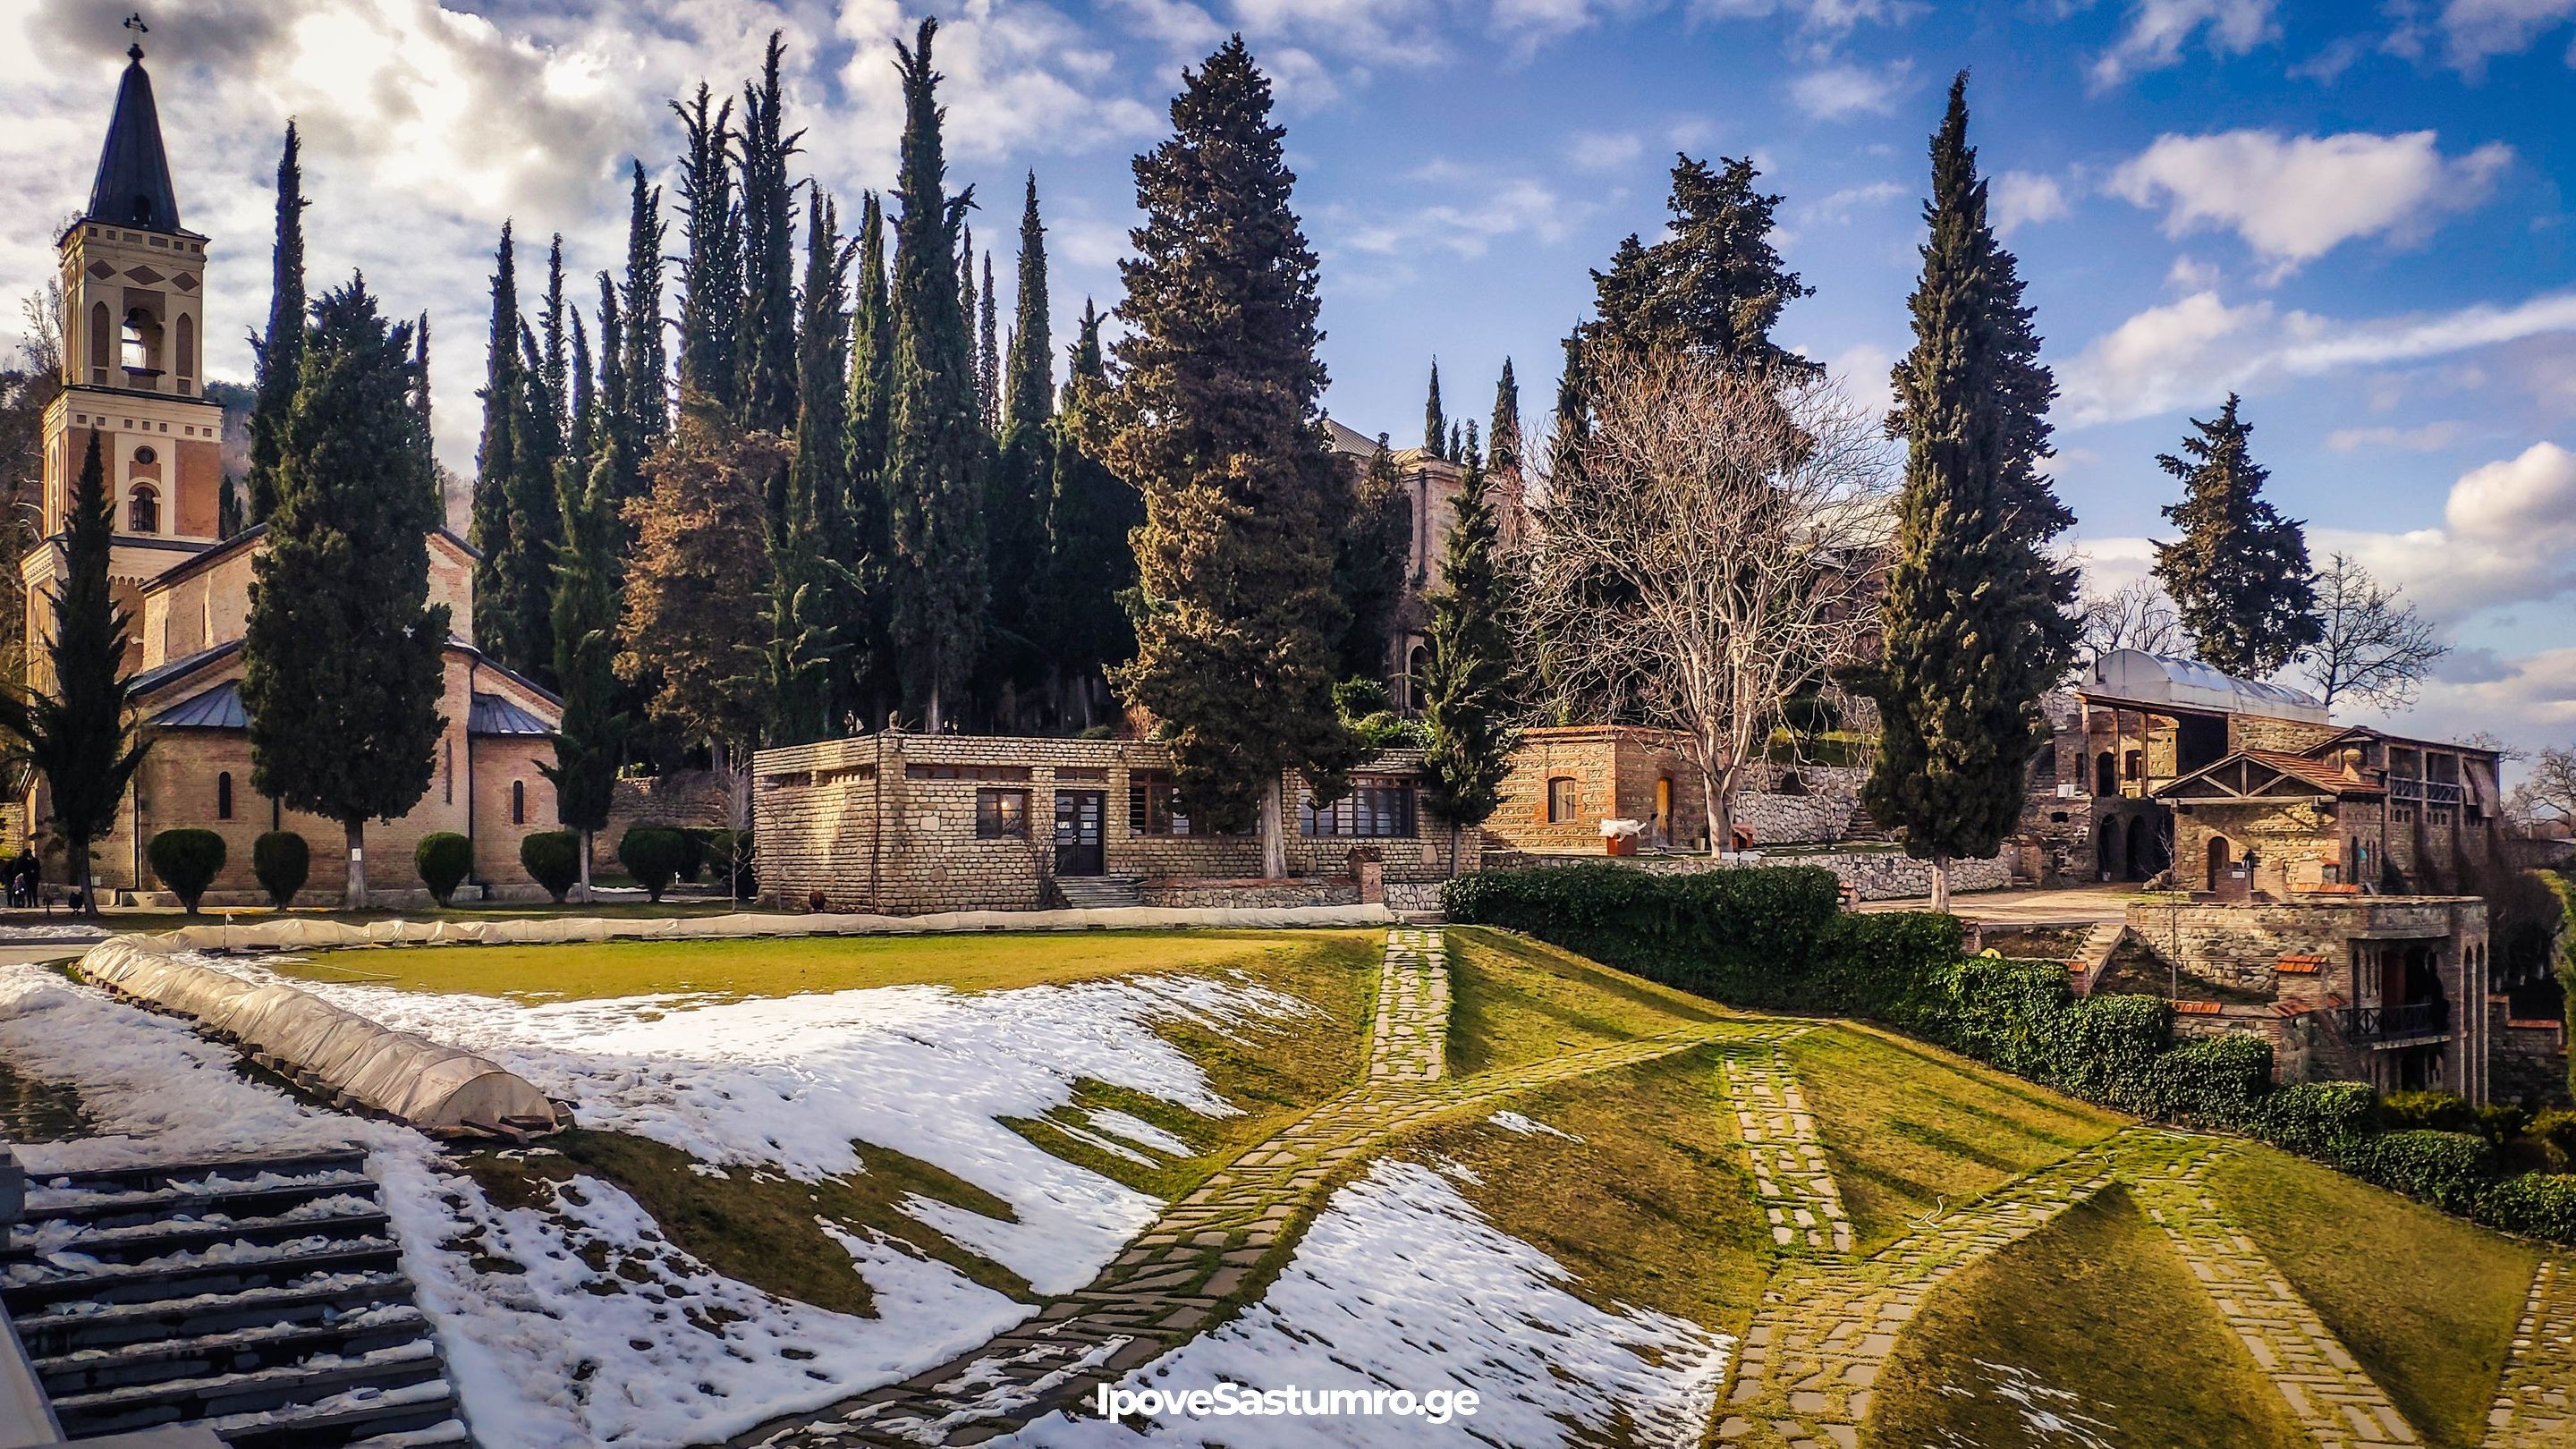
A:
26, 878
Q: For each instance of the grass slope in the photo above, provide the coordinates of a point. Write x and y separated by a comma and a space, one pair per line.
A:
2426, 1303
2095, 1306
1909, 1128
1652, 1207
1514, 1001
785, 966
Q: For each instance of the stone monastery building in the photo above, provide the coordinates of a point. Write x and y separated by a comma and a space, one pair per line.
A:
134, 287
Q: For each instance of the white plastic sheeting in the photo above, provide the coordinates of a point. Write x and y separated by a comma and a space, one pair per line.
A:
399, 1073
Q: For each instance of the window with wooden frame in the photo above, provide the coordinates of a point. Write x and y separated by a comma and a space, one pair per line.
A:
1001, 815
1378, 807
1154, 807
1560, 799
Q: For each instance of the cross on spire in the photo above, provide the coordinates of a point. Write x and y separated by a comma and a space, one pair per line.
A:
134, 22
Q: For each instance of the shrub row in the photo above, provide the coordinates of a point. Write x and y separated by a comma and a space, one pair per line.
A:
187, 861
1776, 939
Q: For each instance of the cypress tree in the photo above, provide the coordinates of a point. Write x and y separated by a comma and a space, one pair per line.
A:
874, 686
1090, 512
1435, 423
816, 551
937, 453
1973, 630
554, 422
966, 302
1369, 570
76, 730
711, 274
591, 742
768, 342
281, 347
988, 357
496, 462
647, 408
1503, 444
583, 417
342, 655
610, 404
1466, 672
1219, 422
228, 509
1015, 508
527, 562
2239, 576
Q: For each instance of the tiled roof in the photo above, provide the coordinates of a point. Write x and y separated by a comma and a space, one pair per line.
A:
219, 708
2300, 965
2315, 772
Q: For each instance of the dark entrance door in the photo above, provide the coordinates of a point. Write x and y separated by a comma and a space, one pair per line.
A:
1077, 832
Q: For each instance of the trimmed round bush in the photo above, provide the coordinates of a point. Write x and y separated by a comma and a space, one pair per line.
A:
693, 852
552, 858
651, 854
2323, 1120
187, 861
444, 859
283, 862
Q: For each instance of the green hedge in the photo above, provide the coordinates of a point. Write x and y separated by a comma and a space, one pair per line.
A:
2534, 1204
2450, 1170
283, 862
2324, 1120
187, 861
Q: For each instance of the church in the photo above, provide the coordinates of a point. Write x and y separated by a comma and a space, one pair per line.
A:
134, 309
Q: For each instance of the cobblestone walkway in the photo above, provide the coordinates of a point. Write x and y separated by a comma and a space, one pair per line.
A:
2328, 1392
2535, 1405
1220, 1244
1810, 1362
1790, 1179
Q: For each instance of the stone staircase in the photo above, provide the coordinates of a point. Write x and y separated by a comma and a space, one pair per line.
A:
263, 1300
2085, 967
1091, 892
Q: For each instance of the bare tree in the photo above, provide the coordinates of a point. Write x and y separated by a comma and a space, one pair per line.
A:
43, 344
2376, 649
2137, 615
1710, 547
2549, 791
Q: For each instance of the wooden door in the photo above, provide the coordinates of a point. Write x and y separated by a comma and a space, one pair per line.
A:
1077, 832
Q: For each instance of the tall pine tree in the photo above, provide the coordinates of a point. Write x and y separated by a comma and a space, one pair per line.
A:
342, 655
555, 420
73, 727
281, 347
711, 274
1015, 507
2239, 576
767, 345
1370, 568
647, 365
1466, 673
590, 743
1090, 513
823, 608
1503, 445
937, 452
1714, 284
496, 462
1435, 422
1973, 626
527, 563
988, 355
876, 688
1219, 422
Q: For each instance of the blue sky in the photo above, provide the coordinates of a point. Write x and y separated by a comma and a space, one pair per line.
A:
2354, 213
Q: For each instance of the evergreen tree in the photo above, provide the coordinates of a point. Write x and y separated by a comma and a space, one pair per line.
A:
988, 357
937, 453
2240, 575
1973, 627
1015, 508
874, 687
767, 346
496, 462
280, 350
1503, 444
76, 729
610, 419
1435, 423
1466, 672
1090, 512
554, 421
342, 655
711, 275
527, 564
1714, 284
966, 304
646, 368
228, 509
1473, 453
1219, 423
816, 552
590, 744
1370, 569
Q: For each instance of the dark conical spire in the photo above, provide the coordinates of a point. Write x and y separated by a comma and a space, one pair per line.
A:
133, 184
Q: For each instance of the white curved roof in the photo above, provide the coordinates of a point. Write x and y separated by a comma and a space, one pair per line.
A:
2190, 684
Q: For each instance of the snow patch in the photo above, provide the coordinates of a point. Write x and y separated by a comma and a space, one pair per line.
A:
1514, 1122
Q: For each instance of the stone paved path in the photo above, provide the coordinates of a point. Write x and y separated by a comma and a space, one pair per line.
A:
2326, 1389
1811, 1359
1790, 1179
1218, 1246
2535, 1405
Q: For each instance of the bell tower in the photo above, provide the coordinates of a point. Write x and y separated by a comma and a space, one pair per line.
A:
134, 287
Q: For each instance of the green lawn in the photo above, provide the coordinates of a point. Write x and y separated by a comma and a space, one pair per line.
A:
2426, 1303
1909, 1128
1652, 1207
2095, 1306
1514, 1001
788, 965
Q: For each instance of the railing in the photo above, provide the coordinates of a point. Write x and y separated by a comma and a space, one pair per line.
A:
2397, 1023
2429, 792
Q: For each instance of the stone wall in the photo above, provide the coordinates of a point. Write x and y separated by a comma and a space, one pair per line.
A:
1616, 773
1252, 894
2529, 1060
1799, 805
693, 799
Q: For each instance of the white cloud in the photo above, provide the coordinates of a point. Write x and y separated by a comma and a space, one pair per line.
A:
1018, 79
1838, 207
2476, 30
1862, 371
1828, 19
1836, 92
1499, 208
1602, 151
2508, 536
2157, 30
2190, 274
2428, 438
2294, 198
2020, 198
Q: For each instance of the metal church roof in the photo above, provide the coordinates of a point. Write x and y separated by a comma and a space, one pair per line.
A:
133, 183
219, 708
493, 715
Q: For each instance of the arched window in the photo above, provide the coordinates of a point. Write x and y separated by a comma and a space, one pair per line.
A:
224, 795
183, 346
518, 802
102, 341
143, 511
2106, 780
138, 357
144, 455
